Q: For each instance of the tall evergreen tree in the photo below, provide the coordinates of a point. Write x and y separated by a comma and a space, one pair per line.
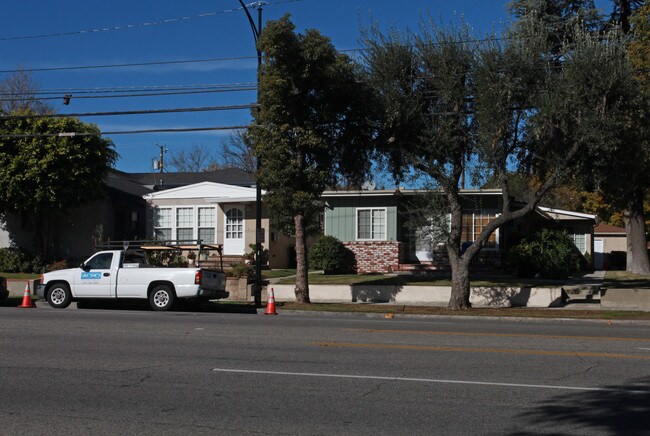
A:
312, 129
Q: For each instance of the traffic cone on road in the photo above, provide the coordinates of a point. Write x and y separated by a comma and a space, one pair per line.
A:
27, 298
270, 305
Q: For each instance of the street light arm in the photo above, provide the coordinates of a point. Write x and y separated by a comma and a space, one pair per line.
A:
256, 32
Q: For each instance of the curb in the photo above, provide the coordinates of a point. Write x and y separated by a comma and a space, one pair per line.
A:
397, 316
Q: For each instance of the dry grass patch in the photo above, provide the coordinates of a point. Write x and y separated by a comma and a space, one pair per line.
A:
493, 312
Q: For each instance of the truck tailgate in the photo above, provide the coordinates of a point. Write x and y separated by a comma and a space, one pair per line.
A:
213, 280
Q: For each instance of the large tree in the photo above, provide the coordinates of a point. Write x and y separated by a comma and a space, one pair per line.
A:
18, 91
311, 129
627, 136
635, 160
237, 152
42, 176
451, 103
194, 159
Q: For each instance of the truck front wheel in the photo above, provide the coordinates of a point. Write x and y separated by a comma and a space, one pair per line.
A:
161, 298
59, 295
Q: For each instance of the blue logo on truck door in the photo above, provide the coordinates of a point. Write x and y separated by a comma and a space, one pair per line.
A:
91, 275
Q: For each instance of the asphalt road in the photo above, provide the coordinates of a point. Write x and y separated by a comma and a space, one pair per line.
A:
142, 372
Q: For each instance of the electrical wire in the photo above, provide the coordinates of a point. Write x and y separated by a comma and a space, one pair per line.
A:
121, 132
129, 65
134, 112
156, 94
136, 26
135, 88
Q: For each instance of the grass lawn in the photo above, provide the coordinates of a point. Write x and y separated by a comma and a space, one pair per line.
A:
625, 280
275, 273
20, 276
407, 280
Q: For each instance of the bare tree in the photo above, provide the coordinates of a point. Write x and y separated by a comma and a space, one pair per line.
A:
197, 158
18, 92
238, 153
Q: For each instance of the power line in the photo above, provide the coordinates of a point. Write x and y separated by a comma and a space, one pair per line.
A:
121, 132
129, 65
134, 26
122, 27
152, 94
135, 112
138, 88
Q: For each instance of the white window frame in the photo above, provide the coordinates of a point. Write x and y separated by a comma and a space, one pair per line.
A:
171, 219
192, 225
195, 220
242, 217
199, 227
574, 237
356, 223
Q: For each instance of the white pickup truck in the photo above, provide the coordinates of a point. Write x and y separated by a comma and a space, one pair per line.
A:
122, 274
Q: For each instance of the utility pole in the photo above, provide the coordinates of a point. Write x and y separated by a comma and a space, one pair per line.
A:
259, 232
161, 159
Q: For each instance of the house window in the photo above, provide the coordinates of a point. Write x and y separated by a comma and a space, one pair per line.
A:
184, 223
234, 224
474, 224
206, 222
580, 240
371, 224
162, 223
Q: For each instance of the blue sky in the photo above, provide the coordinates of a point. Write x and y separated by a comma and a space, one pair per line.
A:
223, 34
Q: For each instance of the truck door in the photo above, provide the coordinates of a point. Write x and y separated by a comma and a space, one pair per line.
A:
95, 279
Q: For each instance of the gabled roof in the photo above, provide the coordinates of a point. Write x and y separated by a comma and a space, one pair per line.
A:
160, 181
402, 191
211, 192
121, 182
569, 213
607, 229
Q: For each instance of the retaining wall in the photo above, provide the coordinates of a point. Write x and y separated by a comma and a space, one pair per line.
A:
424, 295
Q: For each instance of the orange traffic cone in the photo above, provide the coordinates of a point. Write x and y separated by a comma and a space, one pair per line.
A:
270, 305
27, 299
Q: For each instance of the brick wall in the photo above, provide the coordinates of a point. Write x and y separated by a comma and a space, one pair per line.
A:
376, 256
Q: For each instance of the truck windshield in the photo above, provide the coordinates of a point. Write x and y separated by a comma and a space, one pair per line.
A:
100, 261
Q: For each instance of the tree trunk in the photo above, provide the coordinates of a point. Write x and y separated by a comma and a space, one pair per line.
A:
637, 252
41, 228
459, 284
302, 266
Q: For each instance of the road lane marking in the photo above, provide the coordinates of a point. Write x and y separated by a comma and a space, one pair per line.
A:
479, 350
643, 349
425, 380
505, 335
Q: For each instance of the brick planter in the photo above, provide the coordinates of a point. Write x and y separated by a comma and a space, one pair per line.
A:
376, 256
238, 288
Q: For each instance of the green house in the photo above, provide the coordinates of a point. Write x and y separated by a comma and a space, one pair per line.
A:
376, 226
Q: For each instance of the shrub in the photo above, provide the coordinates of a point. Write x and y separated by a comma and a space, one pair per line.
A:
171, 258
617, 260
55, 266
241, 270
549, 253
16, 260
332, 256
250, 256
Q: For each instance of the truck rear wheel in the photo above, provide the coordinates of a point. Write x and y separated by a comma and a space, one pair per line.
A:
59, 295
162, 298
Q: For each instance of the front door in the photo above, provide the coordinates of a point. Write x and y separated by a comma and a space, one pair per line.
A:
599, 256
233, 242
95, 279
